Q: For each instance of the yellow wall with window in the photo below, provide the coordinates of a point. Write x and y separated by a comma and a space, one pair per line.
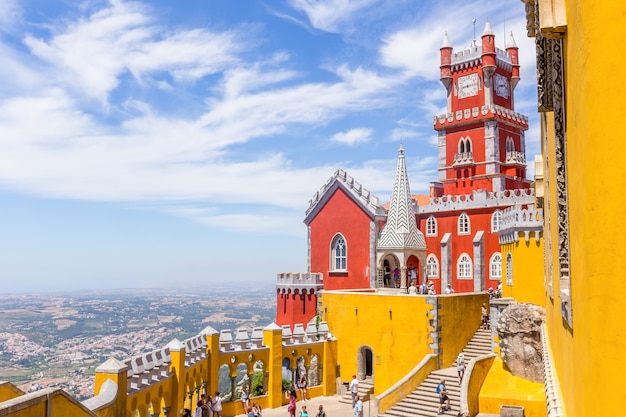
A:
527, 272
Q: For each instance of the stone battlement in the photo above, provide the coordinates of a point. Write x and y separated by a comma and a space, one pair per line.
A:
478, 199
517, 220
476, 113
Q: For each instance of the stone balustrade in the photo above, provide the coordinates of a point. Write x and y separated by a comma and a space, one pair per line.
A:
517, 220
478, 199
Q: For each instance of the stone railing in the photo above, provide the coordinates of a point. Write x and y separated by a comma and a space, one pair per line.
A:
515, 157
299, 281
148, 368
463, 158
479, 199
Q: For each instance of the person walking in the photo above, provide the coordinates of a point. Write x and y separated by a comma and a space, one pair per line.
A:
321, 412
292, 403
460, 366
216, 405
354, 389
358, 407
443, 397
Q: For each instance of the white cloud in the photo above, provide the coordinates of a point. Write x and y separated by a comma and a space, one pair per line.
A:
399, 134
330, 15
9, 14
91, 54
353, 136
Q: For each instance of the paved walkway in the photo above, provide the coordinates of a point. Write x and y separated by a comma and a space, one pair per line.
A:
332, 406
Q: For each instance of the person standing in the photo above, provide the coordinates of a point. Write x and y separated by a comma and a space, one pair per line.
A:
245, 398
443, 397
198, 412
358, 407
354, 389
292, 403
396, 277
449, 289
460, 366
216, 405
302, 386
321, 412
303, 412
485, 315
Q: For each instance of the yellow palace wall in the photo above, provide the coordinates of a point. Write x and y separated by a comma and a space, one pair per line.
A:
527, 260
588, 356
399, 329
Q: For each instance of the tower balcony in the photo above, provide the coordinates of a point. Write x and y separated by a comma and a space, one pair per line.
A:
515, 157
463, 158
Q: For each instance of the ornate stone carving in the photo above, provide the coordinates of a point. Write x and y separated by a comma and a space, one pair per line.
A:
519, 331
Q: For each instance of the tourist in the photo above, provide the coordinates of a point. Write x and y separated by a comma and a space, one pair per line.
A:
321, 412
424, 288
249, 412
413, 273
449, 289
412, 288
358, 407
387, 277
216, 405
443, 397
431, 288
256, 409
245, 398
460, 366
303, 412
292, 403
206, 405
185, 412
198, 412
396, 277
354, 389
485, 314
302, 387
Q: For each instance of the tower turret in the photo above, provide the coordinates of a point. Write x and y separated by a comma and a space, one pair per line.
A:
446, 63
488, 57
512, 50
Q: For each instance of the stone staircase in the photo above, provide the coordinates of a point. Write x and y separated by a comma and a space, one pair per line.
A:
424, 401
366, 388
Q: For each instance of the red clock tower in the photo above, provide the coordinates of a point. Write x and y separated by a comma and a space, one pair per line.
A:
481, 138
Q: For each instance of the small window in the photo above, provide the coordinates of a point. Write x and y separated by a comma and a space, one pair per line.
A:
509, 269
432, 267
431, 226
495, 267
464, 267
496, 218
510, 145
464, 224
339, 254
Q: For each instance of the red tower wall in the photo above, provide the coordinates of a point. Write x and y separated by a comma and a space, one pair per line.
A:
342, 215
293, 308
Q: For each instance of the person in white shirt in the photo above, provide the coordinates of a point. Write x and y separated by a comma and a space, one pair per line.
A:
354, 389
449, 289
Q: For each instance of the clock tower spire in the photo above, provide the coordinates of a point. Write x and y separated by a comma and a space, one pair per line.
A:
481, 138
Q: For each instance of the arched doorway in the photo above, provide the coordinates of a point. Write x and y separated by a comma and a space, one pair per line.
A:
365, 362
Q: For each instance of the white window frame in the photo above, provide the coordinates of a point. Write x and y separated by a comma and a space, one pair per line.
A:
337, 239
463, 224
432, 267
431, 226
464, 267
496, 221
495, 266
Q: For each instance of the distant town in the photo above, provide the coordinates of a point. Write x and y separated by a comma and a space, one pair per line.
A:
57, 340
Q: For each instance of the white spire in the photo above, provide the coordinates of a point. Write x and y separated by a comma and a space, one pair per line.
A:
446, 41
511, 41
487, 30
401, 230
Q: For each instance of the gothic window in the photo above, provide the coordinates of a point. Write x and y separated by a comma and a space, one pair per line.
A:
510, 145
461, 146
464, 267
431, 226
432, 267
496, 218
338, 254
495, 266
509, 269
464, 224
468, 145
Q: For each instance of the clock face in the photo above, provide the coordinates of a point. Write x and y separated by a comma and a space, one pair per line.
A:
502, 86
468, 85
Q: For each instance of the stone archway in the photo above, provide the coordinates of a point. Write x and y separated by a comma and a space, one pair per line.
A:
365, 363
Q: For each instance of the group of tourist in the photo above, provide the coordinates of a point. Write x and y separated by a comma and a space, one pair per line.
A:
206, 407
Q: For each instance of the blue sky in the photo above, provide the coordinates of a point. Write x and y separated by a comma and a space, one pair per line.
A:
177, 144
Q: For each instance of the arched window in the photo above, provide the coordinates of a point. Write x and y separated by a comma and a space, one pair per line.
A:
468, 145
464, 224
495, 266
464, 267
461, 146
338, 254
509, 269
510, 145
496, 218
431, 226
432, 267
